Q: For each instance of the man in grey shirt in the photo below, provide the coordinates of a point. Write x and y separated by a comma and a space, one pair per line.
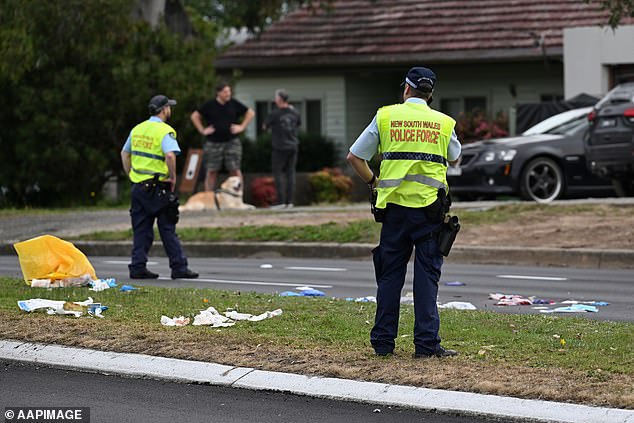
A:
284, 123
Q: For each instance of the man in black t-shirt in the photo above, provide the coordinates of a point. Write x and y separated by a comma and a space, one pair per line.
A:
226, 118
284, 123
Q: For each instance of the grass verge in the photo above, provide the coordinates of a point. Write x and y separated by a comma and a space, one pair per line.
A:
503, 354
362, 231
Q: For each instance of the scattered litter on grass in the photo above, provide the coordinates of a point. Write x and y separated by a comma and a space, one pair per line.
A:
234, 315
83, 280
211, 317
290, 294
458, 305
126, 288
454, 283
102, 284
368, 299
175, 321
75, 308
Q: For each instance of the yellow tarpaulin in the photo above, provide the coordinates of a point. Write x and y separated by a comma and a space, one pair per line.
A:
48, 257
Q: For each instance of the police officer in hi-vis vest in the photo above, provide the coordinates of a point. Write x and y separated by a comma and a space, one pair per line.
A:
415, 143
149, 159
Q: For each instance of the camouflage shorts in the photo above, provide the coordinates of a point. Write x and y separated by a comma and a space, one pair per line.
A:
229, 152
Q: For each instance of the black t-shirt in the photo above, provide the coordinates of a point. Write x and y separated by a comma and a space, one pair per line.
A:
221, 116
284, 124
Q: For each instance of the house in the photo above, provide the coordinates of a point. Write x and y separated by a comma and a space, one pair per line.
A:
341, 63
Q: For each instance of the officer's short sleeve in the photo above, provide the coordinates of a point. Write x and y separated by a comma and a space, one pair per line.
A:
169, 143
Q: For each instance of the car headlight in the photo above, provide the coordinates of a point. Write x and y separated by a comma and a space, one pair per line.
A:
501, 155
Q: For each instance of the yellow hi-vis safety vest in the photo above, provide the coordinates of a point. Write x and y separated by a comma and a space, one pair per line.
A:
413, 144
148, 158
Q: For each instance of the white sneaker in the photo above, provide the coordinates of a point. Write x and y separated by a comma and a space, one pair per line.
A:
277, 207
289, 206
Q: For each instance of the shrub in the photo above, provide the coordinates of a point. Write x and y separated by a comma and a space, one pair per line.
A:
315, 152
475, 126
330, 185
263, 191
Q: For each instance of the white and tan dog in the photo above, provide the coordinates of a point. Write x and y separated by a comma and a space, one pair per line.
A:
228, 197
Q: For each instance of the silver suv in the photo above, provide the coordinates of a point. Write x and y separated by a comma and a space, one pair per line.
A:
610, 142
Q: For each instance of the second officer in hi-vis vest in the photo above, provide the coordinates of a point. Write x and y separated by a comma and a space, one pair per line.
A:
149, 159
415, 144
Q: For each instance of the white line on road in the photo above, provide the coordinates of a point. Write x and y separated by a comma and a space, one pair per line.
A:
540, 278
250, 282
126, 262
318, 269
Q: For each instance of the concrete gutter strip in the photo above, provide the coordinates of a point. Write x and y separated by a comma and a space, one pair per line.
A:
561, 257
140, 365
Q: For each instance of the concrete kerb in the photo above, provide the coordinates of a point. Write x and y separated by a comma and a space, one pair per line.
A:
572, 257
140, 365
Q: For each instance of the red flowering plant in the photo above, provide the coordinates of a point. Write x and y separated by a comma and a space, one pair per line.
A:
263, 191
476, 126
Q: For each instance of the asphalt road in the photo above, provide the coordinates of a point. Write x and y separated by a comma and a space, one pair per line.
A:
118, 399
355, 278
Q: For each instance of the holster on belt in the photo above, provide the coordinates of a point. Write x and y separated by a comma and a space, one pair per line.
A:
447, 235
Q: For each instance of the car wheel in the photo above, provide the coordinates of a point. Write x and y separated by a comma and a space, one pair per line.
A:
623, 187
542, 180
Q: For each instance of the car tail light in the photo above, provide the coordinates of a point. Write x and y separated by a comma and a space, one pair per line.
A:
592, 115
629, 114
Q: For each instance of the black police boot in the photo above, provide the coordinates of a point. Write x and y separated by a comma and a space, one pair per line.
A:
440, 353
143, 274
184, 274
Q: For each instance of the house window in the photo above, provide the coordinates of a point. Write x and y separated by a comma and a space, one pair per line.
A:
455, 106
451, 106
309, 110
472, 104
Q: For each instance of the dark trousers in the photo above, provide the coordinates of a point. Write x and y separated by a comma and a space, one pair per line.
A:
147, 207
403, 229
283, 163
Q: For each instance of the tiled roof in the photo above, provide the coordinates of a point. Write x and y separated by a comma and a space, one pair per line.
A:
394, 31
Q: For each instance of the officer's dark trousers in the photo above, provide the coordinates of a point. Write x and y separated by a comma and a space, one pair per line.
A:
147, 207
404, 228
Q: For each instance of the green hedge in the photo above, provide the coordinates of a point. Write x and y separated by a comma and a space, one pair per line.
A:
315, 152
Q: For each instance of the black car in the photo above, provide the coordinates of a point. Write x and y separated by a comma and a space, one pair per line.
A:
545, 163
610, 142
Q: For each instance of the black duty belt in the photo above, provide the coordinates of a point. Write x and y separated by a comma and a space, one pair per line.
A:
149, 185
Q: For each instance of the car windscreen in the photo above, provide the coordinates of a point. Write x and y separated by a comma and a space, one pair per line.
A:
570, 127
623, 93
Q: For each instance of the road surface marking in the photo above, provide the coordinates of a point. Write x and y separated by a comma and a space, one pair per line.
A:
126, 262
322, 269
249, 282
539, 278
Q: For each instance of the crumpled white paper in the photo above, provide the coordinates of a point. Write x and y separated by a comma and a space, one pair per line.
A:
211, 317
175, 321
234, 315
